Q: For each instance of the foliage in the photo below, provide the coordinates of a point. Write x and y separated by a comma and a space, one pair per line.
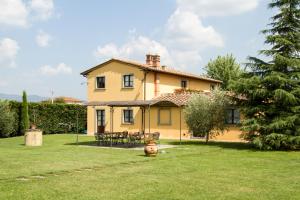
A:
6, 119
224, 68
272, 88
24, 114
205, 115
52, 118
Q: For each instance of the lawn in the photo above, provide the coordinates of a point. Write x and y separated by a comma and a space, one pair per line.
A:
61, 170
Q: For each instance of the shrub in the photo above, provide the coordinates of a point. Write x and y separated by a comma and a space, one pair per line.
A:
51, 118
276, 141
7, 119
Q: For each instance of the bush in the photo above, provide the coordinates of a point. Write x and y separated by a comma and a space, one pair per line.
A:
276, 141
52, 118
6, 119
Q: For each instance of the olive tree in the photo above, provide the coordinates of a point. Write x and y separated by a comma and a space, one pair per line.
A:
205, 114
6, 119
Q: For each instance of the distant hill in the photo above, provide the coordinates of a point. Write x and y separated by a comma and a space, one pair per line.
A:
30, 98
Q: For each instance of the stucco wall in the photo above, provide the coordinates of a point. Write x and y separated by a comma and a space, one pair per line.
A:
114, 90
171, 131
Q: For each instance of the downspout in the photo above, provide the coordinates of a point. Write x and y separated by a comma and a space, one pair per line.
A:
155, 85
145, 78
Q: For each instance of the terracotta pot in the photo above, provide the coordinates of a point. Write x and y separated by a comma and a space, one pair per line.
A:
151, 149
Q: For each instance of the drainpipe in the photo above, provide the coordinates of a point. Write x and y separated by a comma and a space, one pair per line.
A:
155, 85
145, 78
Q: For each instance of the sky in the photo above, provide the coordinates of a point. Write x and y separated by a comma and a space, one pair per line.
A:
45, 44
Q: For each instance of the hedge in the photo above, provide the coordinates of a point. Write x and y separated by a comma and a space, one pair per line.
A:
52, 118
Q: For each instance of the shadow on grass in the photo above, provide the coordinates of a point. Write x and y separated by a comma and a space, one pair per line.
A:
95, 144
225, 145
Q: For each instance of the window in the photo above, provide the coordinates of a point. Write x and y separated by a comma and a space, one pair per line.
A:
128, 116
100, 82
232, 116
100, 117
164, 116
128, 81
183, 84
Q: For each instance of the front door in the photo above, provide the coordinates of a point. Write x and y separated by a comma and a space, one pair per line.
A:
100, 121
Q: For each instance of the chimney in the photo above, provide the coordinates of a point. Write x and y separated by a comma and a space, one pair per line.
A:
149, 59
153, 60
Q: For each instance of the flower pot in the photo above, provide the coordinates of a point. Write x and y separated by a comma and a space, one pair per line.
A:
151, 149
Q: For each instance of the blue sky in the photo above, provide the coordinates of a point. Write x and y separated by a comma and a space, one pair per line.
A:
45, 44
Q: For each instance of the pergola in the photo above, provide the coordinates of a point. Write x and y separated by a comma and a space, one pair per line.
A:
143, 105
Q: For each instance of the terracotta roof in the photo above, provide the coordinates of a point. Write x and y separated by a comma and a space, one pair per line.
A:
146, 67
70, 99
173, 99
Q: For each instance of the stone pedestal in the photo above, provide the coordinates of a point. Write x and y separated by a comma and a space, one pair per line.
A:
34, 138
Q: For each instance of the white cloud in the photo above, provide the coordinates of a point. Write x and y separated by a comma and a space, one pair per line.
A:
42, 8
8, 51
19, 12
61, 68
185, 30
43, 39
13, 13
136, 48
205, 8
184, 37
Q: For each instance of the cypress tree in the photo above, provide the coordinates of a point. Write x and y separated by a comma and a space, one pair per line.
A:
24, 114
271, 86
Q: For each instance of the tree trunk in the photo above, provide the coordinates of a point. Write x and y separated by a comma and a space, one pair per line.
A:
207, 138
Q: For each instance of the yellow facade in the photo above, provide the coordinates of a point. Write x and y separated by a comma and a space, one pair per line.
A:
155, 83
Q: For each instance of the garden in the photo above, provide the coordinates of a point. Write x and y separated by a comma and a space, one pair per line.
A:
60, 169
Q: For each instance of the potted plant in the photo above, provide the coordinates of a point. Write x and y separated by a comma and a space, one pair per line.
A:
150, 147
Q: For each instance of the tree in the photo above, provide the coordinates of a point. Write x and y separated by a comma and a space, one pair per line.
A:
205, 114
224, 68
271, 88
6, 119
24, 114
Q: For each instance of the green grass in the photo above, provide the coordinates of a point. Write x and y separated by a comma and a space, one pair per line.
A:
61, 170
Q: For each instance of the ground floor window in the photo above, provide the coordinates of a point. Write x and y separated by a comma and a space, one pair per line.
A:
128, 116
232, 116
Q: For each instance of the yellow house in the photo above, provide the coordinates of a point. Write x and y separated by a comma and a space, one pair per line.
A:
149, 97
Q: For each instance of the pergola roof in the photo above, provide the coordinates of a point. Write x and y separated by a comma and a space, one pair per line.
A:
168, 99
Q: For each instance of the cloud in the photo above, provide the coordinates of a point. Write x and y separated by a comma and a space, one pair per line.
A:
184, 37
61, 68
135, 48
204, 8
19, 12
8, 51
185, 30
43, 9
43, 39
13, 12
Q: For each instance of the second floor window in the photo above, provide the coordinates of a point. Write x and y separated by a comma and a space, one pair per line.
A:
128, 81
183, 84
232, 116
100, 82
128, 116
